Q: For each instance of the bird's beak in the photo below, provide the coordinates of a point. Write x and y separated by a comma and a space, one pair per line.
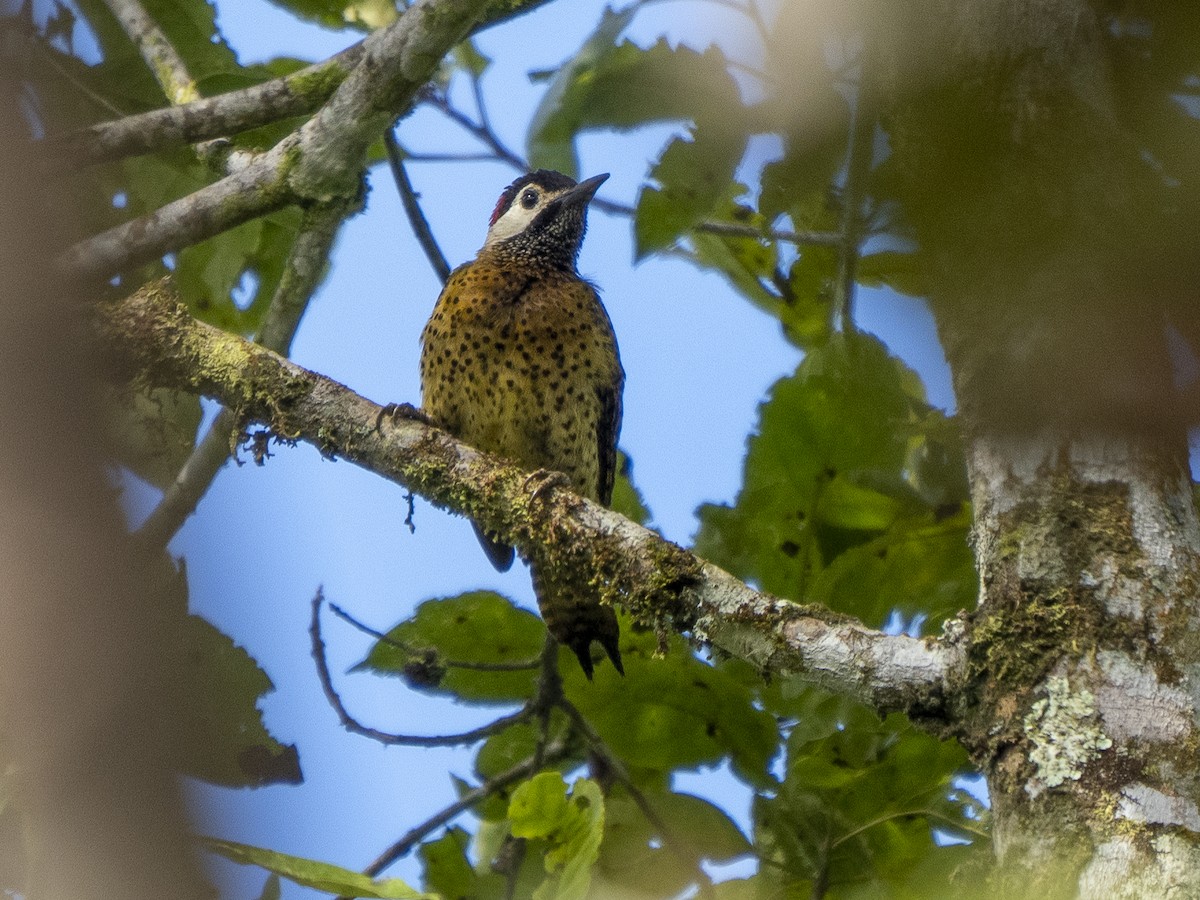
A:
583, 192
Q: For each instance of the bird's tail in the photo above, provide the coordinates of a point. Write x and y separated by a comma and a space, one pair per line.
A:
575, 621
499, 553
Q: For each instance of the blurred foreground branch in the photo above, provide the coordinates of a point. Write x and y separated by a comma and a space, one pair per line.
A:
154, 339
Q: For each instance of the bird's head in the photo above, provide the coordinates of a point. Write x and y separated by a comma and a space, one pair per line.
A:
541, 218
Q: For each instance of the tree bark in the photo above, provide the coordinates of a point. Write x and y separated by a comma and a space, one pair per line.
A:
1081, 686
1080, 698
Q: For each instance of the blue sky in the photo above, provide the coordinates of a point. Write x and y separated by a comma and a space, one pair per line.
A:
699, 359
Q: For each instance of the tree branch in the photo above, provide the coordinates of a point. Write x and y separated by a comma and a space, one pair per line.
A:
519, 772
164, 62
321, 161
352, 724
412, 208
153, 338
298, 94
306, 264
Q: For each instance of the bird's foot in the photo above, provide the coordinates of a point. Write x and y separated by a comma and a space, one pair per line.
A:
543, 480
400, 411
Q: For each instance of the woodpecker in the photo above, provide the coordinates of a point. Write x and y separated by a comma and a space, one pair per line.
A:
519, 359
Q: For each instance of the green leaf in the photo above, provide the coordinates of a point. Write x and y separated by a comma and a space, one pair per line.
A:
802, 178
674, 711
229, 743
863, 795
222, 736
311, 873
478, 627
151, 432
469, 58
515, 745
622, 86
807, 310
572, 825
539, 806
705, 829
447, 871
626, 498
896, 270
363, 15
272, 888
917, 566
833, 470
693, 177
207, 273
634, 855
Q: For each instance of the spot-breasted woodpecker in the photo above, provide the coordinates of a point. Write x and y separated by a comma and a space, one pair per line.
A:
519, 359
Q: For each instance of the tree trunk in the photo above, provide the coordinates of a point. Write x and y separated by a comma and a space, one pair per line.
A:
1042, 232
1082, 687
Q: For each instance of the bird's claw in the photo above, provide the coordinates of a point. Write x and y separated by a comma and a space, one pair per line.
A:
400, 411
543, 480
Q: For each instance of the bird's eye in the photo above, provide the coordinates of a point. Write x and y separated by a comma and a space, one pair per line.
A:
529, 199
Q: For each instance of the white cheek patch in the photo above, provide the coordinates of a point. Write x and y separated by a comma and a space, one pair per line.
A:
515, 220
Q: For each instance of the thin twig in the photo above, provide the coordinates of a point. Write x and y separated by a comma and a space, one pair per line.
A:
927, 813
727, 229
521, 666
549, 695
519, 772
412, 156
412, 208
481, 132
670, 841
407, 740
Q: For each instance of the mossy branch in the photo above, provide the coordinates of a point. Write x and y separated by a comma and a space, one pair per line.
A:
152, 339
224, 115
323, 160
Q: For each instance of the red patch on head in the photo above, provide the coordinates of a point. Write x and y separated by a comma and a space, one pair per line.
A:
502, 204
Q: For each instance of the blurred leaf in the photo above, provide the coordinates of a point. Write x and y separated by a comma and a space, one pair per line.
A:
633, 854
748, 263
622, 86
626, 498
221, 734
272, 889
811, 161
479, 626
152, 433
916, 568
447, 871
807, 312
893, 269
311, 873
468, 57
363, 15
191, 28
705, 829
250, 258
515, 745
572, 825
229, 743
